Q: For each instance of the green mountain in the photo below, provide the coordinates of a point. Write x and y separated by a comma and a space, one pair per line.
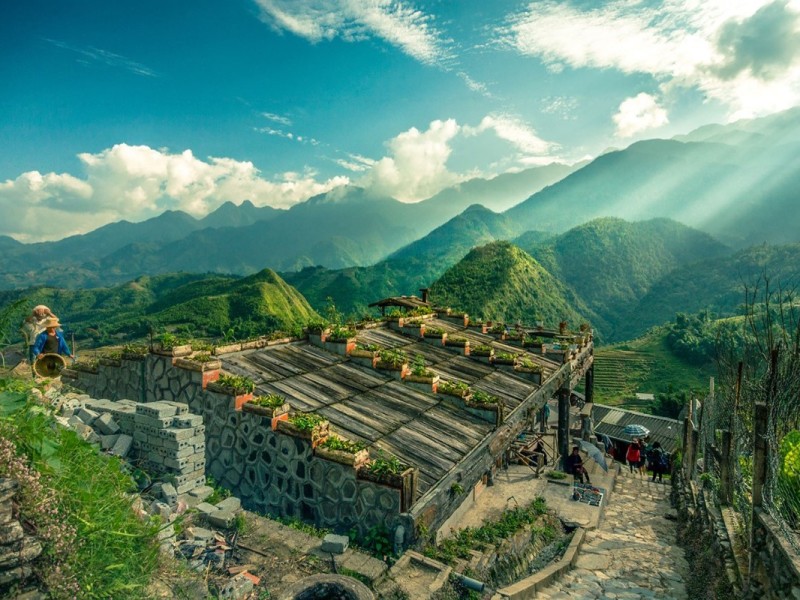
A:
716, 284
405, 271
611, 264
729, 181
501, 282
194, 305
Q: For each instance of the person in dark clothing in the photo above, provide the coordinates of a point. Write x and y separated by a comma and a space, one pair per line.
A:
51, 340
660, 462
574, 465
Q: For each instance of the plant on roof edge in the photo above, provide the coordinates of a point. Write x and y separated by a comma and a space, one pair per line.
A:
432, 331
393, 358
238, 384
341, 334
484, 398
334, 442
453, 388
418, 367
386, 464
306, 421
269, 401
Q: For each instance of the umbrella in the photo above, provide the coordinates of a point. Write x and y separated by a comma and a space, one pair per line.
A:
636, 430
595, 454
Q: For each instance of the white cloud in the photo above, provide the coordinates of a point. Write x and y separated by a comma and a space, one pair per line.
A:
637, 114
475, 86
397, 23
94, 55
513, 130
287, 135
355, 162
416, 166
277, 118
744, 53
138, 182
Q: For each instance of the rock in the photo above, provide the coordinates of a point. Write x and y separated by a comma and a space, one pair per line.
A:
335, 544
237, 588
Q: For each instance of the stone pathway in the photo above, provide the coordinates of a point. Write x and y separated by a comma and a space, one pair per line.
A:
633, 554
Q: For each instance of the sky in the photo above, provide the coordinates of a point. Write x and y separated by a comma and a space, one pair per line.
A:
121, 110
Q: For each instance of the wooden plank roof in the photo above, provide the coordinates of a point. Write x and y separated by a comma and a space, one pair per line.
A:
363, 404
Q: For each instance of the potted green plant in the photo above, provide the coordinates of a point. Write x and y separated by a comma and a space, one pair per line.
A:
457, 389
341, 340
504, 358
386, 469
169, 344
421, 376
394, 361
268, 405
308, 426
199, 361
238, 386
343, 451
317, 331
528, 369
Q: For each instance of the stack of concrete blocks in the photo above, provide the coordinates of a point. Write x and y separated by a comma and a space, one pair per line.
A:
171, 444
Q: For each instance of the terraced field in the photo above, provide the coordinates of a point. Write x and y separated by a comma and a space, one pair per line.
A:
618, 374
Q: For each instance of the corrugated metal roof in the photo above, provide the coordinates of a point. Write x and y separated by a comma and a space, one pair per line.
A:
612, 420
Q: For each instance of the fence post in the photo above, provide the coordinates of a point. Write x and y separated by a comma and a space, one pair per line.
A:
563, 424
761, 415
726, 481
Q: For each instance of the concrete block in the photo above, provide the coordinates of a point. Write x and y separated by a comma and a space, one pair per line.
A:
169, 493
87, 416
175, 433
160, 509
157, 409
187, 421
107, 441
202, 492
205, 508
188, 501
221, 518
201, 534
191, 484
122, 446
106, 424
335, 544
231, 504
237, 588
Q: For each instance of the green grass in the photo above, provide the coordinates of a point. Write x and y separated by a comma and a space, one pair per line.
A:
80, 504
644, 365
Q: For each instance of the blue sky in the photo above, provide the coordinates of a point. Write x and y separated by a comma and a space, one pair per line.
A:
114, 110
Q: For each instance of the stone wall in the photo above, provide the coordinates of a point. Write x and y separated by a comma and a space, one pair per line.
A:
702, 533
17, 550
271, 471
775, 565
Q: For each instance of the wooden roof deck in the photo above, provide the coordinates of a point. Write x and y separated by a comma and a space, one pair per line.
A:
363, 404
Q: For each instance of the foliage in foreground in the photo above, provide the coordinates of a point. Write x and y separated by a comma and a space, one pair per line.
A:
78, 502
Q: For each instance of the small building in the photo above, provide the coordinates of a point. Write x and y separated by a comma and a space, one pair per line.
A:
611, 421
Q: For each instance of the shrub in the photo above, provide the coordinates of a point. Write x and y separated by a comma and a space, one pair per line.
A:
386, 464
269, 401
238, 384
334, 442
418, 367
306, 421
484, 398
395, 358
453, 388
342, 334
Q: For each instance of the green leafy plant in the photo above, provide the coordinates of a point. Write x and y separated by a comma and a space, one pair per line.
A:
134, 350
386, 464
506, 356
219, 493
203, 357
394, 358
457, 341
238, 384
341, 334
431, 331
317, 326
456, 488
484, 398
418, 367
498, 328
86, 364
482, 350
112, 354
453, 388
167, 340
527, 363
306, 421
558, 475
269, 401
334, 442
201, 346
367, 347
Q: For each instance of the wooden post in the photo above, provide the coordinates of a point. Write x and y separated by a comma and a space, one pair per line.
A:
693, 458
726, 482
760, 418
563, 424
589, 384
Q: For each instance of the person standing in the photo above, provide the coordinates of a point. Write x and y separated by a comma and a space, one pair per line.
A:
659, 460
642, 458
51, 340
633, 455
29, 329
40, 313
